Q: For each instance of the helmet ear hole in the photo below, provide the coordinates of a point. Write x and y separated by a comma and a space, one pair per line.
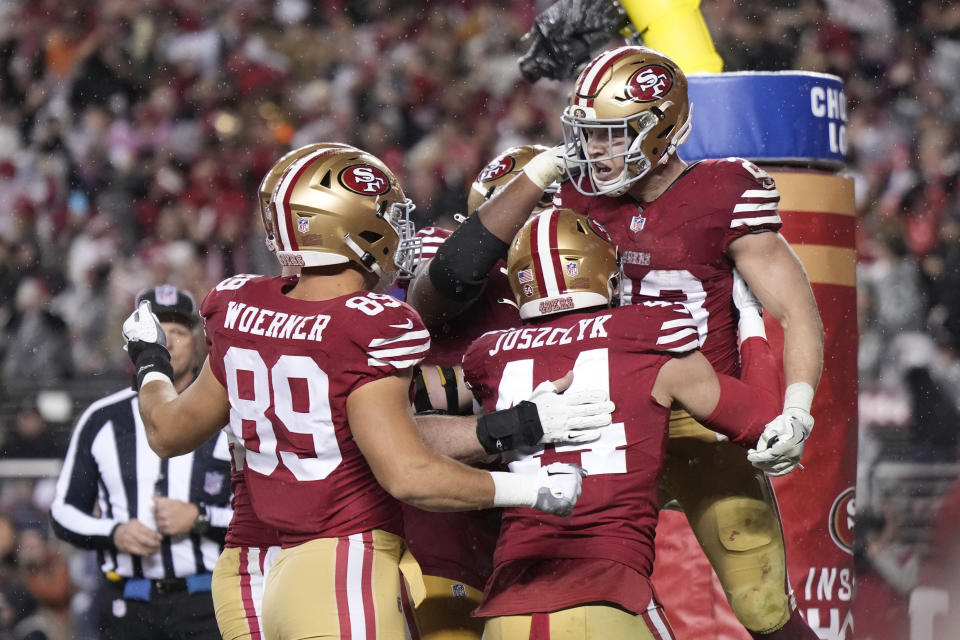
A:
370, 236
580, 228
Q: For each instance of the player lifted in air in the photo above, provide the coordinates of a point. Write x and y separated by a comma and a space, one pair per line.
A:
681, 229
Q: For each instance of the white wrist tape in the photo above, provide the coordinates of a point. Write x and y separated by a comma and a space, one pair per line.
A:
542, 169
154, 375
514, 490
798, 395
751, 325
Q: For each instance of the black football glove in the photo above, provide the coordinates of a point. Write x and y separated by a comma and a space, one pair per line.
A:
566, 34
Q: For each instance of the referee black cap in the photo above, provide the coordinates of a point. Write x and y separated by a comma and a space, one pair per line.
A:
170, 304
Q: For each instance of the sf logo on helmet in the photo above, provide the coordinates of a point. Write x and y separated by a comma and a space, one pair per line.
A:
497, 168
365, 180
649, 83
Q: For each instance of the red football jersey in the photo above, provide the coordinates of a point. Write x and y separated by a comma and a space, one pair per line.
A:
675, 248
459, 546
449, 342
288, 366
615, 350
246, 529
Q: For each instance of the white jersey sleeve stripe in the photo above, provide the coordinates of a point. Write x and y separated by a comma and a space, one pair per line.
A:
676, 336
760, 193
751, 206
679, 322
399, 351
410, 335
396, 364
752, 222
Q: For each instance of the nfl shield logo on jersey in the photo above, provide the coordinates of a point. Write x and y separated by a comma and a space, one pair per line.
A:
303, 225
637, 222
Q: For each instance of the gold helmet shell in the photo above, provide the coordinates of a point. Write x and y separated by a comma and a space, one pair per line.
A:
631, 94
501, 170
270, 180
560, 261
340, 204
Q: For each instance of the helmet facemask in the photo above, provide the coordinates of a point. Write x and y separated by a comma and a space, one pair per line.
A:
635, 100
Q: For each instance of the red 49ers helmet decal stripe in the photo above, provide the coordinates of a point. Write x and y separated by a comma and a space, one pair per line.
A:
288, 240
591, 77
543, 244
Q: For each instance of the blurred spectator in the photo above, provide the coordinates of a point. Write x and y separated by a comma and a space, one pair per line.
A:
31, 436
133, 135
38, 344
886, 573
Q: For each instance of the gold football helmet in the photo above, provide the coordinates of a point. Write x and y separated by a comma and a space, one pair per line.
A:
559, 261
633, 95
341, 204
269, 183
502, 170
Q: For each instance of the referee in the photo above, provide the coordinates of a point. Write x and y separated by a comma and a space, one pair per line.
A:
157, 525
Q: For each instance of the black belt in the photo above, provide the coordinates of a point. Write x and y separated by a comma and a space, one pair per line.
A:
142, 588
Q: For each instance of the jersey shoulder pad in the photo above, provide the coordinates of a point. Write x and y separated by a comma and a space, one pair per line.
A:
389, 332
657, 325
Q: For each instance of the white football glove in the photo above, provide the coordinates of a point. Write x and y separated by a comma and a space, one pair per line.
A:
781, 444
143, 326
146, 344
555, 488
550, 166
560, 487
572, 417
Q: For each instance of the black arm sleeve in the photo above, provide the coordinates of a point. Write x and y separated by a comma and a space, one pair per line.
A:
462, 263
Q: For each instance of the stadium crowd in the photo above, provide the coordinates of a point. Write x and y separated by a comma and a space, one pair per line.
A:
133, 136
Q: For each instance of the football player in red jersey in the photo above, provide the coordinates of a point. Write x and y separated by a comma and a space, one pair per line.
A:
681, 229
251, 546
314, 379
588, 576
455, 550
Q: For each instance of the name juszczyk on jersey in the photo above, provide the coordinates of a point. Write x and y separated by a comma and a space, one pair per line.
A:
534, 337
282, 326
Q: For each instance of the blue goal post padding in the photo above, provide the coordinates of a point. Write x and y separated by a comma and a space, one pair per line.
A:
770, 117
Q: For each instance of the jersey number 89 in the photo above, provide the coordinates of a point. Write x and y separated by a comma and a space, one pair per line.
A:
249, 403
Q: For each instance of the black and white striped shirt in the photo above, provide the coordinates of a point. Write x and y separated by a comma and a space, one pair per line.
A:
111, 475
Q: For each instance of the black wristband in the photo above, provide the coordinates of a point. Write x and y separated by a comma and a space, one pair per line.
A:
463, 261
518, 426
147, 357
